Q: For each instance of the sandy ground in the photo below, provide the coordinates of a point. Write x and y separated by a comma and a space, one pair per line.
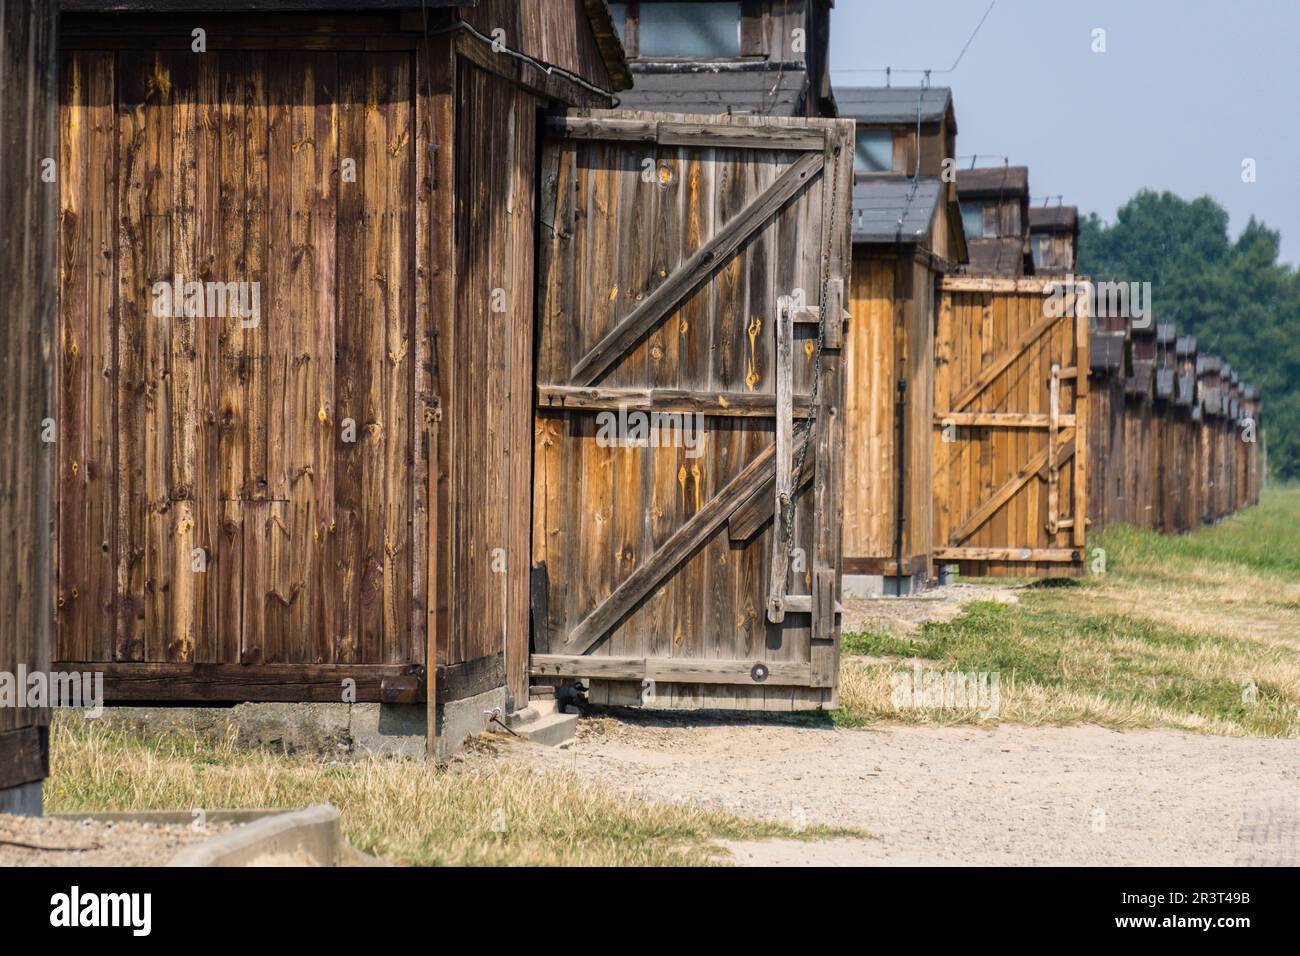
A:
961, 795
29, 841
1010, 795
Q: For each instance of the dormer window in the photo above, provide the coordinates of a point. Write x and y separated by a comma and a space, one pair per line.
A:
1042, 250
973, 220
688, 30
873, 151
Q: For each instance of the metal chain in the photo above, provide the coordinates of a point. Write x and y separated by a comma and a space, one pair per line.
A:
811, 429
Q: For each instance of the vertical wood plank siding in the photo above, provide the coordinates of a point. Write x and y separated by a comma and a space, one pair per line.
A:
27, 370
188, 432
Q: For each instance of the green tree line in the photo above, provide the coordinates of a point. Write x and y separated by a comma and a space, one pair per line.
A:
1234, 296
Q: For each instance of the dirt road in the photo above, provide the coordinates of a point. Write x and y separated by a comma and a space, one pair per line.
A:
1009, 795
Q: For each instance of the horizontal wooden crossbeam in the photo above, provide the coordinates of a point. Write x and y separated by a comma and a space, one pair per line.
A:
1001, 419
694, 670
1069, 555
670, 133
668, 400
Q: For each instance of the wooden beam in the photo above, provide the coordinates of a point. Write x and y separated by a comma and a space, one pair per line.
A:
686, 277
782, 482
131, 681
1065, 451
471, 678
719, 136
886, 566
1000, 419
671, 133
1070, 555
1053, 438
693, 670
668, 400
803, 604
684, 541
24, 755
1082, 338
756, 510
1031, 284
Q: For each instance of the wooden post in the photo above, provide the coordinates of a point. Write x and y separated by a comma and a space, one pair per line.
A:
433, 416
1053, 436
28, 102
784, 483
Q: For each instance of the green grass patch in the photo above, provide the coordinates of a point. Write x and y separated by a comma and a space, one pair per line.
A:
1265, 538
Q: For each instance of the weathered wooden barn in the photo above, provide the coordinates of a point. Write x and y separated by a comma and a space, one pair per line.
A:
1211, 393
995, 216
906, 236
1139, 440
28, 199
395, 444
1054, 239
759, 57
1171, 447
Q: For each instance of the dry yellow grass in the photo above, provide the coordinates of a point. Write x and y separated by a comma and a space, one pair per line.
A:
402, 810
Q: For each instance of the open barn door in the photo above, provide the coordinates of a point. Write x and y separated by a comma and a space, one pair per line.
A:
1010, 427
688, 443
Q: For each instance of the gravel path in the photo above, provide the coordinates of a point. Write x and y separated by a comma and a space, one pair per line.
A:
1010, 795
92, 843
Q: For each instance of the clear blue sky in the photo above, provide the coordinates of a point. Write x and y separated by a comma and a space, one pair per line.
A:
1184, 92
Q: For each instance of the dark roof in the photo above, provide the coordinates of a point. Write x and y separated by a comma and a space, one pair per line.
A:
597, 11
993, 180
894, 210
1054, 218
765, 92
892, 104
998, 257
608, 42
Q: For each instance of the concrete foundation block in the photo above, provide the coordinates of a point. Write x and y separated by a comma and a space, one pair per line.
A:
389, 729
879, 585
327, 730
863, 586
23, 800
461, 719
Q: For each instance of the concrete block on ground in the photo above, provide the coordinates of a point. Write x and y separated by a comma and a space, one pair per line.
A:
390, 729
552, 730
863, 585
460, 719
23, 800
310, 837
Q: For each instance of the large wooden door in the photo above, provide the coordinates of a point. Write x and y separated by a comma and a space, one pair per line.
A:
1010, 428
690, 265
235, 490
